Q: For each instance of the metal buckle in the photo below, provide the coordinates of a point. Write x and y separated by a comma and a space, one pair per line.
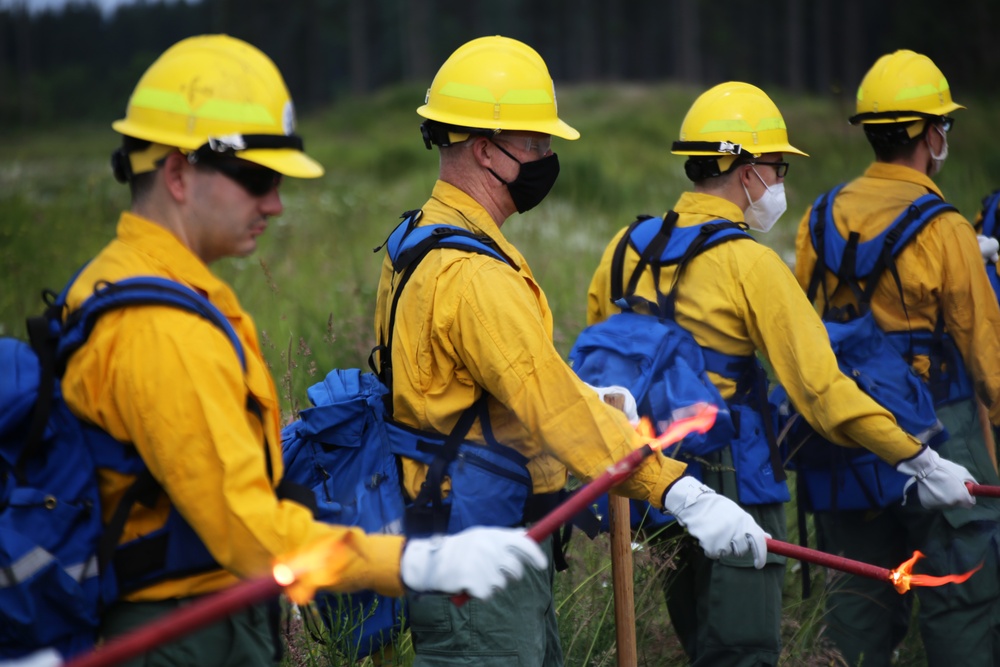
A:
729, 147
229, 143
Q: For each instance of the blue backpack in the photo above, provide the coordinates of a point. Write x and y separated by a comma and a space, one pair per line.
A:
990, 221
59, 565
346, 446
644, 349
841, 478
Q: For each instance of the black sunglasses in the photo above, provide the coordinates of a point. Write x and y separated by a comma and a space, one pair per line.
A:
780, 168
255, 179
946, 123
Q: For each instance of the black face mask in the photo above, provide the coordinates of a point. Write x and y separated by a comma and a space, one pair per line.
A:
533, 182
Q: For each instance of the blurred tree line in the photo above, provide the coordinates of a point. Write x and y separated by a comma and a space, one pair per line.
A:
79, 63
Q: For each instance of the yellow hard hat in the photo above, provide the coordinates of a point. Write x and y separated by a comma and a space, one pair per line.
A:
219, 94
495, 83
900, 87
733, 118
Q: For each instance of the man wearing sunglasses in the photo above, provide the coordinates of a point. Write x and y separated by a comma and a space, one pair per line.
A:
207, 137
939, 292
738, 299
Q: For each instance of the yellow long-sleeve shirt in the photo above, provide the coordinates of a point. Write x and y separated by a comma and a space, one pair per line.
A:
170, 383
467, 323
941, 271
738, 298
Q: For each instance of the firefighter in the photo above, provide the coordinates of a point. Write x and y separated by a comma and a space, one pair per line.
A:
208, 136
940, 292
469, 326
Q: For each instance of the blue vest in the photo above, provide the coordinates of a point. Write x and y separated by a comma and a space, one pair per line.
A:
990, 223
644, 349
833, 477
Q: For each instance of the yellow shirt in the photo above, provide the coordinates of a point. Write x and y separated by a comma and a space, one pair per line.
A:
171, 384
941, 271
467, 323
738, 298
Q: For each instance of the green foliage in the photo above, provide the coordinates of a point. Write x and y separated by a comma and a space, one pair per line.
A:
313, 640
311, 285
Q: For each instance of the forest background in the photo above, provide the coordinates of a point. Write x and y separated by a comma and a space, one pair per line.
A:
625, 74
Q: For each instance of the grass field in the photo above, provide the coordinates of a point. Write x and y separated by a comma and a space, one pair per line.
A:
311, 284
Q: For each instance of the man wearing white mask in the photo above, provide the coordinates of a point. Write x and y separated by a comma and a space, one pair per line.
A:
938, 300
739, 299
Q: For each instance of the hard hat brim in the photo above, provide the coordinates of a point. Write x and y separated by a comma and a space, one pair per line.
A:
905, 117
562, 130
756, 151
285, 161
555, 127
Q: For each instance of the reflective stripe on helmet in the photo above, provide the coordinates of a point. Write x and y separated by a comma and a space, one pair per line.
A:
225, 110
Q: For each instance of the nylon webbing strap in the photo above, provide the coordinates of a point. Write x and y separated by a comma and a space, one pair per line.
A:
428, 507
654, 249
145, 555
819, 212
920, 212
43, 342
990, 204
430, 491
618, 260
700, 245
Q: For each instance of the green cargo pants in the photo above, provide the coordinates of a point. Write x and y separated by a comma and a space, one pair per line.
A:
244, 639
958, 622
725, 612
514, 628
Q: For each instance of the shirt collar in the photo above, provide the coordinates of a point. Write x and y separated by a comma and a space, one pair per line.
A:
898, 172
476, 218
176, 260
701, 204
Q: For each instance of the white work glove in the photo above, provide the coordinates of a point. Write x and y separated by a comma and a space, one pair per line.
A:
940, 482
46, 657
621, 398
721, 527
478, 561
990, 248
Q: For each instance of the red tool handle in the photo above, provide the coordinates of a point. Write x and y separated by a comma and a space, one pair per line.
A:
828, 560
983, 490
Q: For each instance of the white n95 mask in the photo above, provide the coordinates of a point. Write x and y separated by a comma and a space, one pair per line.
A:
763, 213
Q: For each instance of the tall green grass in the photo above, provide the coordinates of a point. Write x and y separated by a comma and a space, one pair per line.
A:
311, 285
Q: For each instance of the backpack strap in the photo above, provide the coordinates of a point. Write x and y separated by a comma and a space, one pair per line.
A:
852, 261
43, 335
869, 260
140, 291
618, 263
659, 242
407, 245
625, 298
820, 218
991, 203
710, 235
903, 230
108, 296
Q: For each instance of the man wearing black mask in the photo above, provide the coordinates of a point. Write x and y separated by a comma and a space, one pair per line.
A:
469, 333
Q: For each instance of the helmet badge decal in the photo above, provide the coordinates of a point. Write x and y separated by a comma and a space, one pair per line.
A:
288, 118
